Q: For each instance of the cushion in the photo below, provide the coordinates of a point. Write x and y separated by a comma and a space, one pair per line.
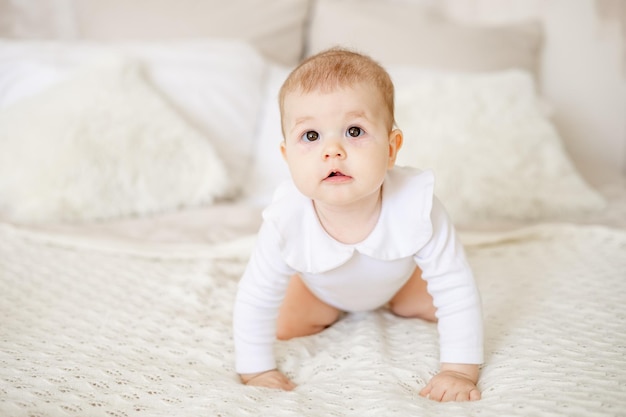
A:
396, 33
268, 168
216, 86
102, 144
495, 155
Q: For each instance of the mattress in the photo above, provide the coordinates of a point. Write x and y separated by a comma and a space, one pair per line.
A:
92, 327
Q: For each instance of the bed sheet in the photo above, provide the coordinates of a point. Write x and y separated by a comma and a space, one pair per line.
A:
132, 317
91, 326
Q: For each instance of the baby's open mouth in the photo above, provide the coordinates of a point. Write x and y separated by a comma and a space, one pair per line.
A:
337, 176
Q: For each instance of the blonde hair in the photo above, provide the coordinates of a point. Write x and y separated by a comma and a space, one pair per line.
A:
337, 68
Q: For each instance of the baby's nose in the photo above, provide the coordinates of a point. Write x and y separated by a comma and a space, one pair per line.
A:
334, 150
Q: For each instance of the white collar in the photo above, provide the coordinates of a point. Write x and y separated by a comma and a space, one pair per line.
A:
404, 225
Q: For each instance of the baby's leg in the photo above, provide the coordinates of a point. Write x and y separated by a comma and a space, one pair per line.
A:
302, 313
413, 300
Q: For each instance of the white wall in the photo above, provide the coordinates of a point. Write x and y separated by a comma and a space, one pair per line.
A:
583, 72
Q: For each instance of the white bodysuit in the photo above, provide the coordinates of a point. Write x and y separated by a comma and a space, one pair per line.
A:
413, 229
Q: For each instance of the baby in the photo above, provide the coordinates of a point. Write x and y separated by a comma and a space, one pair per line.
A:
353, 232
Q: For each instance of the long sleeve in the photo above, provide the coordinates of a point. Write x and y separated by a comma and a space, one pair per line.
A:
260, 293
455, 294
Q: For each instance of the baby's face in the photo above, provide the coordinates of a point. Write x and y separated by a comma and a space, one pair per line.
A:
337, 144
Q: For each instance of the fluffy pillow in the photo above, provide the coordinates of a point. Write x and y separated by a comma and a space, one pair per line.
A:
494, 154
216, 85
396, 33
102, 144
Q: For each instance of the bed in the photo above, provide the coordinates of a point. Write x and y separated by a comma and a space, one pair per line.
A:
135, 164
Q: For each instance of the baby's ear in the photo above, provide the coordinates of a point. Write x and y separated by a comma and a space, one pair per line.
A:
283, 150
395, 143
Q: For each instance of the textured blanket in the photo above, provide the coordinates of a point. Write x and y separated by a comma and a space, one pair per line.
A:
96, 329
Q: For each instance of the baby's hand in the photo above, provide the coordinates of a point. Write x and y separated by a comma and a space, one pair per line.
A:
455, 382
269, 379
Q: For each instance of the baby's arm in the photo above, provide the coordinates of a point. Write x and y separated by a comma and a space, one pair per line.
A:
261, 290
454, 382
455, 295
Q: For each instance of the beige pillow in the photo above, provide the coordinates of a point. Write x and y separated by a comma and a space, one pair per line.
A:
275, 27
408, 34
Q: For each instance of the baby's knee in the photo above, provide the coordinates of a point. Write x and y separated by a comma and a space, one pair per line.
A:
401, 310
419, 311
283, 332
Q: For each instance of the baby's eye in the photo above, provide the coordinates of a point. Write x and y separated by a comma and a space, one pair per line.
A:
355, 132
310, 136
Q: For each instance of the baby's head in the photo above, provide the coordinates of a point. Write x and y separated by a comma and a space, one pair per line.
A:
335, 69
337, 122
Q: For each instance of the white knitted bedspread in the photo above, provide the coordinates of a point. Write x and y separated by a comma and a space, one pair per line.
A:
104, 330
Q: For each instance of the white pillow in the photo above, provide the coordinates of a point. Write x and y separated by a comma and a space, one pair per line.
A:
494, 153
215, 85
99, 145
269, 168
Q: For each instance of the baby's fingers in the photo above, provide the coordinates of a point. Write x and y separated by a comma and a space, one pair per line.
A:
440, 394
272, 379
425, 392
474, 395
434, 393
443, 392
